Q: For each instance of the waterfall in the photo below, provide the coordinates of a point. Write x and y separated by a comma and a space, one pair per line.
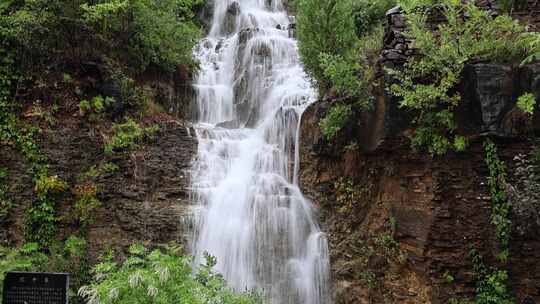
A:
248, 210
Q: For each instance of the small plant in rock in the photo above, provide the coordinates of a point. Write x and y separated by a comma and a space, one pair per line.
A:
95, 107
127, 136
46, 185
526, 103
368, 279
96, 171
86, 204
448, 277
109, 168
387, 243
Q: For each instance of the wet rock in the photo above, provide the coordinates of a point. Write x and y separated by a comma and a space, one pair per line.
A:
229, 23
490, 88
234, 9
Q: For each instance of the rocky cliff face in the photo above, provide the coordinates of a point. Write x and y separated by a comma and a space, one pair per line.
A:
400, 223
143, 201
435, 209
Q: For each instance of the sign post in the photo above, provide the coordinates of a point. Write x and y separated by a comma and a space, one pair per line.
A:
36, 288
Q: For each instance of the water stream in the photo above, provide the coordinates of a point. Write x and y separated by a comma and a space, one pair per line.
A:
249, 212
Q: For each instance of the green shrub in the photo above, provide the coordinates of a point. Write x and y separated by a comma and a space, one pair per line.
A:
427, 83
335, 120
160, 276
526, 103
335, 42
127, 136
325, 27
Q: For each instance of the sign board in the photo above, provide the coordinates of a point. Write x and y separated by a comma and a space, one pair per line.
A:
35, 288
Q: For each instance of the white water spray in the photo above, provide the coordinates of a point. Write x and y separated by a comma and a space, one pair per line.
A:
250, 213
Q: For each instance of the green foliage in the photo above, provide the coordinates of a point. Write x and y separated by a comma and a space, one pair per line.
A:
161, 276
47, 185
427, 82
341, 73
68, 257
526, 103
159, 33
95, 107
336, 41
368, 14
492, 283
448, 277
335, 120
133, 96
127, 136
109, 168
325, 27
388, 243
41, 218
501, 207
87, 203
368, 279
167, 38
96, 171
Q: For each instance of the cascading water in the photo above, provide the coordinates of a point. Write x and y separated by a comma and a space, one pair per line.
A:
249, 212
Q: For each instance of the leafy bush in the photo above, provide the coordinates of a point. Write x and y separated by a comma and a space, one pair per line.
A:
526, 103
325, 27
127, 136
335, 120
427, 82
161, 276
